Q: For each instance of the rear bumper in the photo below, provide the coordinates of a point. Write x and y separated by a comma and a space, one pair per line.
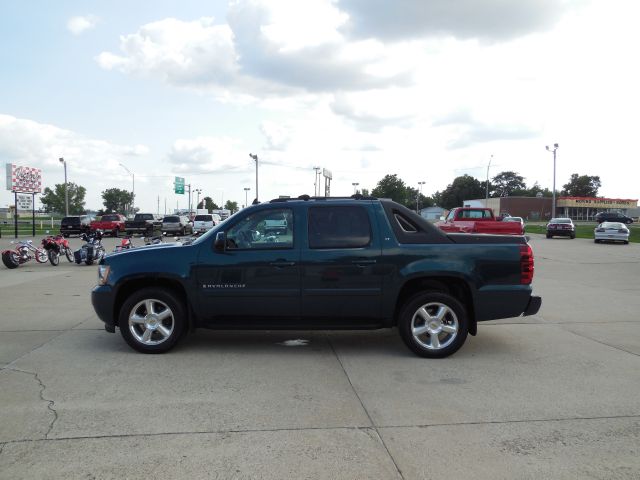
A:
561, 233
534, 305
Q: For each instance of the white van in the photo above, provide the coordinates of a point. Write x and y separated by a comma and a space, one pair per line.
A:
204, 222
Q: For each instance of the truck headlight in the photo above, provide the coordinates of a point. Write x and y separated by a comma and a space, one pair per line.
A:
103, 274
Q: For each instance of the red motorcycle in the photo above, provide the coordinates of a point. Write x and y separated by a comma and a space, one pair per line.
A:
23, 252
56, 246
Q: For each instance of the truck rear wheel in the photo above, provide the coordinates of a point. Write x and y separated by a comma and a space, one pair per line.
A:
433, 324
152, 320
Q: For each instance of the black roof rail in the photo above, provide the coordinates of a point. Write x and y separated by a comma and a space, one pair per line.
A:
306, 198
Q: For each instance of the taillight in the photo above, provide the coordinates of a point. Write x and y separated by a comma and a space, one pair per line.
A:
526, 264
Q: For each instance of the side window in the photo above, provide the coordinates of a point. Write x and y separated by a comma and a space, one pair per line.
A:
450, 216
264, 230
339, 227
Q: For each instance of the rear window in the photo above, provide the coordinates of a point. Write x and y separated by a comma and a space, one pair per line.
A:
203, 218
339, 227
110, 218
171, 219
143, 216
475, 214
71, 221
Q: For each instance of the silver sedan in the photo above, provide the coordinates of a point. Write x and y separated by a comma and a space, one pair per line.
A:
611, 232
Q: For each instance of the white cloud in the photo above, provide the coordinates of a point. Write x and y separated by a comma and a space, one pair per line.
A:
80, 24
91, 162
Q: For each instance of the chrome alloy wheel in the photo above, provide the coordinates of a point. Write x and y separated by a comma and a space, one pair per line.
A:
151, 322
434, 326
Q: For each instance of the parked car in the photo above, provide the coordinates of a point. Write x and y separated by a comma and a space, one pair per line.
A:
145, 224
112, 223
477, 220
343, 264
276, 224
177, 224
75, 225
613, 217
611, 232
516, 220
203, 223
561, 227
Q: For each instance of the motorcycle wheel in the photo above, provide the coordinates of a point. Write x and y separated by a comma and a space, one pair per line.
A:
10, 259
41, 256
54, 258
69, 254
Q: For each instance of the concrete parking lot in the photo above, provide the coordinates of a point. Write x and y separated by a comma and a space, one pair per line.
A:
556, 395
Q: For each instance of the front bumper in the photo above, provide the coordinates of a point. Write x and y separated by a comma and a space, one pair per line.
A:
102, 299
534, 305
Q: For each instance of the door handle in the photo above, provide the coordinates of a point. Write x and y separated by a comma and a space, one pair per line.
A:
363, 262
281, 264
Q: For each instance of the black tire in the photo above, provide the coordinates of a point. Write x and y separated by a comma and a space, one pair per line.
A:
549, 236
54, 257
572, 237
183, 232
596, 240
10, 259
115, 233
455, 315
89, 262
65, 235
69, 254
626, 242
134, 332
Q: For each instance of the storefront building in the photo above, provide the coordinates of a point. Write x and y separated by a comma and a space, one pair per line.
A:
586, 208
540, 208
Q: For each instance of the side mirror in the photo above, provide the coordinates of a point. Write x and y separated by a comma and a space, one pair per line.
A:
219, 242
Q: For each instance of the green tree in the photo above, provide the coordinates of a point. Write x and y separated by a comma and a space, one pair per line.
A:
506, 184
391, 187
536, 189
54, 201
582, 186
463, 188
233, 206
116, 200
208, 203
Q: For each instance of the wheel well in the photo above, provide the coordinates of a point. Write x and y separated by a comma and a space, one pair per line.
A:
137, 284
451, 285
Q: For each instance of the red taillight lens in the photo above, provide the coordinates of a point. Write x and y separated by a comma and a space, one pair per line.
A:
526, 264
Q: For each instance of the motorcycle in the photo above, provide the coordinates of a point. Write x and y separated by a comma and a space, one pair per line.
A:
92, 250
125, 244
23, 252
56, 246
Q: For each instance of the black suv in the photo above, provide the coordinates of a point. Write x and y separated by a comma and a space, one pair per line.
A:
613, 217
77, 224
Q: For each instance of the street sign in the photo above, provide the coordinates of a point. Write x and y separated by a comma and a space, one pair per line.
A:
179, 185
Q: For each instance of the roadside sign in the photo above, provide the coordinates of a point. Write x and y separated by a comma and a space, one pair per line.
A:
179, 185
25, 202
23, 179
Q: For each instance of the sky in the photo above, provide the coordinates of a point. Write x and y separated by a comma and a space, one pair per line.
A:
425, 89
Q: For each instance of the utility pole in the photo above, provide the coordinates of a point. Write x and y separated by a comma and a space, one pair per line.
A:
133, 189
316, 187
246, 199
255, 157
553, 204
66, 189
420, 184
486, 198
355, 187
198, 191
189, 204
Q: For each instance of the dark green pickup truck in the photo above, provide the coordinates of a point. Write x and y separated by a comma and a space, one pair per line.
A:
341, 263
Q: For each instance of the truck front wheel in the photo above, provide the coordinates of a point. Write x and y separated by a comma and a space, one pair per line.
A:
433, 324
152, 320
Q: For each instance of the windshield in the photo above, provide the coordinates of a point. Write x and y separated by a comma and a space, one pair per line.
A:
203, 218
560, 220
110, 218
171, 219
143, 216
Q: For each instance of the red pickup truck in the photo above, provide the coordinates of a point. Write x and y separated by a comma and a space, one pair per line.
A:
478, 220
110, 223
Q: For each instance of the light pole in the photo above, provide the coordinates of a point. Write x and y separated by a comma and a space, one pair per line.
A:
553, 205
418, 197
133, 188
255, 157
198, 191
246, 199
355, 187
486, 198
66, 190
315, 180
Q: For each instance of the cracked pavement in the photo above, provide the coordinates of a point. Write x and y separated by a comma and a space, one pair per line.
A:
550, 396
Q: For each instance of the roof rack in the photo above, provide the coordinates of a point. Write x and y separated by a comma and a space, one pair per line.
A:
306, 198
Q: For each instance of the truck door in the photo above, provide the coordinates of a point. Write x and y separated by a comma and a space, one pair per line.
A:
341, 281
256, 280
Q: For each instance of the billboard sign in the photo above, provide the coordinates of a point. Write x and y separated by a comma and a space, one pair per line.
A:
24, 179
